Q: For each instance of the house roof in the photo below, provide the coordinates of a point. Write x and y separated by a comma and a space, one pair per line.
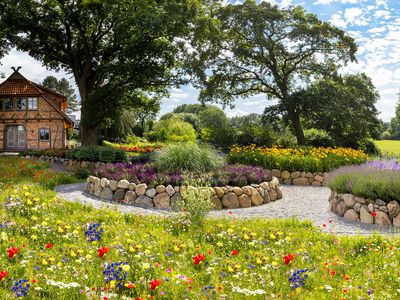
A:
18, 85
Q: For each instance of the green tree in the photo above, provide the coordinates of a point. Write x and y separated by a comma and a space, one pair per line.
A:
63, 87
394, 126
214, 126
255, 48
344, 107
110, 47
190, 108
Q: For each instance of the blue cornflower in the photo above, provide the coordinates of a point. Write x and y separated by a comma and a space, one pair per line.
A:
93, 232
298, 278
115, 272
20, 288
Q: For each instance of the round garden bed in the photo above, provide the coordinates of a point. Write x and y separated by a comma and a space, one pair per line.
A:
165, 197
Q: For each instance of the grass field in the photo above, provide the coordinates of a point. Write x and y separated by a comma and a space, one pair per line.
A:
389, 146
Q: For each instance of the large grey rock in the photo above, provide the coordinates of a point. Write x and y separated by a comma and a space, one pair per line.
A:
279, 194
170, 190
371, 207
130, 197
349, 200
113, 185
334, 201
341, 208
160, 189
256, 198
365, 215
91, 178
151, 192
162, 201
360, 200
230, 200
131, 186
244, 201
380, 202
97, 187
144, 201
140, 189
119, 195
357, 207
384, 208
267, 199
273, 195
393, 208
396, 221
351, 215
300, 181
104, 182
107, 194
123, 184
216, 202
382, 218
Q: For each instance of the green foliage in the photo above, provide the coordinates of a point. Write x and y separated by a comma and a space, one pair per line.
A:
96, 153
394, 126
172, 130
190, 157
318, 138
63, 87
369, 147
132, 139
215, 127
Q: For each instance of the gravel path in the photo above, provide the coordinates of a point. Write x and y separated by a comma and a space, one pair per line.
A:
306, 203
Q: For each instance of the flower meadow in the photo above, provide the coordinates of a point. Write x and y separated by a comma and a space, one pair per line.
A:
54, 249
316, 159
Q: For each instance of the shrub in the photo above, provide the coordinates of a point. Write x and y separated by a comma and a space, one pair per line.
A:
369, 147
96, 153
173, 130
188, 157
296, 159
318, 138
375, 180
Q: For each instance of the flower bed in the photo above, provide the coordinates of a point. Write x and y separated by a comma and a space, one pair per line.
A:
369, 193
300, 159
165, 197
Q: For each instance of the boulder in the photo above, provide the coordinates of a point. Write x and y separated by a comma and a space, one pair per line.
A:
295, 174
380, 202
123, 184
216, 202
285, 175
97, 187
247, 190
230, 200
300, 181
175, 198
144, 201
237, 190
357, 207
219, 192
170, 190
334, 201
279, 194
349, 200
261, 191
130, 197
396, 221
267, 199
365, 215
265, 185
319, 178
244, 201
119, 195
351, 215
273, 195
382, 218
131, 186
316, 183
256, 198
162, 201
309, 175
104, 182
141, 189
384, 208
371, 207
91, 179
160, 189
276, 173
393, 208
224, 189
151, 192
113, 185
360, 200
341, 208
287, 181
177, 189
106, 194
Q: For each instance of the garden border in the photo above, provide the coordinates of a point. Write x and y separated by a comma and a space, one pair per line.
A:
162, 197
365, 210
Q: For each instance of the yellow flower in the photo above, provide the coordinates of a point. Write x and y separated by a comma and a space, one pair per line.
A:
126, 268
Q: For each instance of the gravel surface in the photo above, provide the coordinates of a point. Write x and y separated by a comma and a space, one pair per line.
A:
306, 203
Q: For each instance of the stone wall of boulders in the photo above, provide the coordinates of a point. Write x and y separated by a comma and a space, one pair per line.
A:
365, 210
71, 164
164, 197
300, 178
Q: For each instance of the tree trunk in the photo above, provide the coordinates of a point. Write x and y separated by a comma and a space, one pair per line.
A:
298, 128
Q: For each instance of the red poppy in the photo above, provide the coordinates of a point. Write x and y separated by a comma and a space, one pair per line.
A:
373, 213
198, 258
323, 225
288, 258
333, 272
234, 252
12, 252
3, 274
102, 251
346, 277
130, 285
48, 246
154, 284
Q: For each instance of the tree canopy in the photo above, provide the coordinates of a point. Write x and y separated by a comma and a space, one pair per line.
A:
63, 87
116, 50
394, 126
255, 48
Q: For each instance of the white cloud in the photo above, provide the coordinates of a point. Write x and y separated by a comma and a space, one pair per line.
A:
338, 21
382, 14
354, 15
235, 112
286, 3
376, 29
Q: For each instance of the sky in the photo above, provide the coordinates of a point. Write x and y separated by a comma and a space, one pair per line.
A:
374, 24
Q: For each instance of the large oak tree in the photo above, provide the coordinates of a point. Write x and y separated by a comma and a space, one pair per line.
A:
255, 48
116, 50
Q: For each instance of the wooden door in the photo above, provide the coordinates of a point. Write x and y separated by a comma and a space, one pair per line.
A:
16, 137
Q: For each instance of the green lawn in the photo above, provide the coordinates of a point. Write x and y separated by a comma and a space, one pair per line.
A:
389, 146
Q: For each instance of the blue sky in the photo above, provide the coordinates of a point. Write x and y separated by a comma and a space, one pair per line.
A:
375, 25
